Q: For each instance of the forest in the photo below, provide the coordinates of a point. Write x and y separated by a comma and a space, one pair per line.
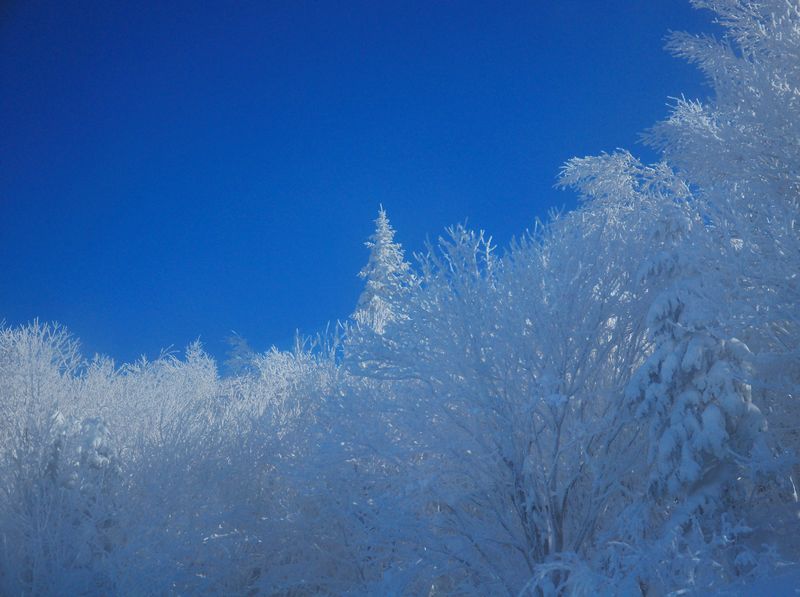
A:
609, 405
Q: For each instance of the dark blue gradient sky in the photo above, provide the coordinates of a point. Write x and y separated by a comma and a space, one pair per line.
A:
174, 170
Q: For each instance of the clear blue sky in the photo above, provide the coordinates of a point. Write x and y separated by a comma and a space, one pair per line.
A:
174, 170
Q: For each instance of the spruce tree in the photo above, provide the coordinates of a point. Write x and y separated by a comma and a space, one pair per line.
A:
386, 274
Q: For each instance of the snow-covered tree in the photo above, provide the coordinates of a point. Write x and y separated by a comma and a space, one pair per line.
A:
386, 274
693, 388
723, 296
740, 150
512, 373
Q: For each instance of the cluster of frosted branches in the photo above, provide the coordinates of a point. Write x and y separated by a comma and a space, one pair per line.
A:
609, 405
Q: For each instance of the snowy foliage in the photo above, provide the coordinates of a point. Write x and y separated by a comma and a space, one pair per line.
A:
608, 406
386, 275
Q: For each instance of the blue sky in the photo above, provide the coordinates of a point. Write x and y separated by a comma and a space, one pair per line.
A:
174, 170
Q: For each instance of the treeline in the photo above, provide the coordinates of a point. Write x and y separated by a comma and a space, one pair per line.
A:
609, 405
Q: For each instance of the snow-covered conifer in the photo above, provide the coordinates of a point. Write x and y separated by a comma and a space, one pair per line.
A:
385, 274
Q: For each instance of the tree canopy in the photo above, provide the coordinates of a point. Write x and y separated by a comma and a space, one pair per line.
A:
608, 405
